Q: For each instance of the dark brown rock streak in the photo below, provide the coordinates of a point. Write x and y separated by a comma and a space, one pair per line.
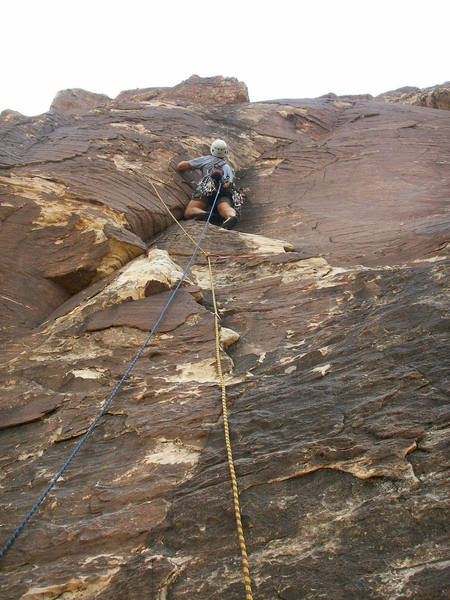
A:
333, 298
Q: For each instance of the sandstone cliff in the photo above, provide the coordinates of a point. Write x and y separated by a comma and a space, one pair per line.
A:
332, 306
437, 96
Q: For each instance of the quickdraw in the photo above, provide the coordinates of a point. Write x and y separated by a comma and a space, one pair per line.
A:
237, 198
205, 187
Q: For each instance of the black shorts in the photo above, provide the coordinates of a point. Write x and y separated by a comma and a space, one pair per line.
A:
208, 199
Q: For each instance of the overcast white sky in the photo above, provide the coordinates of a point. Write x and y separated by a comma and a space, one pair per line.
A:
280, 49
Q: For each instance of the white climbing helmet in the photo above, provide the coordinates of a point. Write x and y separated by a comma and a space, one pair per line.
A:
219, 148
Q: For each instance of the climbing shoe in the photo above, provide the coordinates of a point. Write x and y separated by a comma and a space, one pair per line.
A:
230, 222
201, 217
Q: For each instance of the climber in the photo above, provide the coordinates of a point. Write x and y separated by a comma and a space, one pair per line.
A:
214, 169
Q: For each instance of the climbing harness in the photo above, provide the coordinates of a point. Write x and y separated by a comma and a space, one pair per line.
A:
207, 187
240, 533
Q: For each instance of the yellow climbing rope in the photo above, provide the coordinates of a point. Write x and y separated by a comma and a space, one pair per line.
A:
175, 219
237, 510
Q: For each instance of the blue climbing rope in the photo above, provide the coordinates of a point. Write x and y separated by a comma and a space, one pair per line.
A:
8, 544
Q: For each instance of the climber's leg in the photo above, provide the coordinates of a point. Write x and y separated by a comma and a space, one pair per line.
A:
195, 208
224, 207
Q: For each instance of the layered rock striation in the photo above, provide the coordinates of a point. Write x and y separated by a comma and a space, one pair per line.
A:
332, 296
437, 96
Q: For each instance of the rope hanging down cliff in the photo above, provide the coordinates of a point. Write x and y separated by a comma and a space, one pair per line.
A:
234, 485
237, 509
102, 411
240, 533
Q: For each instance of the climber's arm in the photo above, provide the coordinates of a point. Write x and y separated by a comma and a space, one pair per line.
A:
183, 165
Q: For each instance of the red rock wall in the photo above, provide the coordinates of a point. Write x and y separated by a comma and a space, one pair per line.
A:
334, 349
437, 96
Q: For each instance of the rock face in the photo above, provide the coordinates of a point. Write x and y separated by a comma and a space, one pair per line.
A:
198, 90
209, 90
332, 297
77, 100
437, 96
